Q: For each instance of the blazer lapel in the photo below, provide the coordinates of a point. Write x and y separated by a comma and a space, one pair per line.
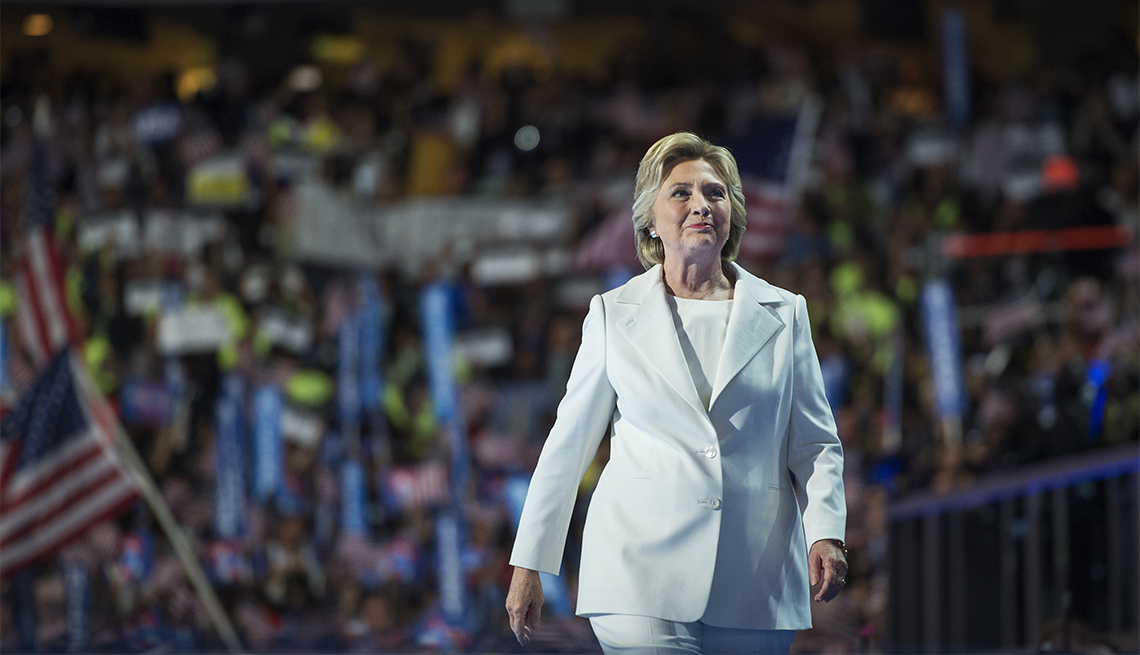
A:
649, 326
750, 327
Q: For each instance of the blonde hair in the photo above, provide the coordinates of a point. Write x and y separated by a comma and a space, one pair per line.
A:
658, 162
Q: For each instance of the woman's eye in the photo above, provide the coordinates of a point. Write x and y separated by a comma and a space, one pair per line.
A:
680, 193
716, 193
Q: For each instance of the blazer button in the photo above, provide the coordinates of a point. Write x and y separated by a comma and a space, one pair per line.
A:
710, 452
714, 503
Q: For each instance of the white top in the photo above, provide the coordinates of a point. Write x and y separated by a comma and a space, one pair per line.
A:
702, 326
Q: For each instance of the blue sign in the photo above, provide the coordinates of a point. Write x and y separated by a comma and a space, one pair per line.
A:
438, 323
348, 396
269, 451
943, 346
439, 329
229, 458
371, 343
77, 580
353, 497
451, 593
955, 67
5, 379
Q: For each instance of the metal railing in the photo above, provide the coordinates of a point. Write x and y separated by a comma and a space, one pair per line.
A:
1047, 550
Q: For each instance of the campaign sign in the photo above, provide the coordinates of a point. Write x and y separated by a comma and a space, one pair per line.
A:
192, 330
943, 346
229, 459
451, 593
348, 395
157, 123
439, 330
371, 344
147, 402
269, 452
77, 579
353, 497
956, 66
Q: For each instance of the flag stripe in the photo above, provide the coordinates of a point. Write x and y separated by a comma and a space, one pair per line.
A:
33, 475
45, 268
115, 498
31, 328
47, 505
52, 480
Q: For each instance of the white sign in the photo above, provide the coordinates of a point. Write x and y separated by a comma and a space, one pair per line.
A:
192, 330
485, 347
294, 335
301, 427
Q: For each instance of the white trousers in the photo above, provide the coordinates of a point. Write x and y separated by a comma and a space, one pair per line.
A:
625, 634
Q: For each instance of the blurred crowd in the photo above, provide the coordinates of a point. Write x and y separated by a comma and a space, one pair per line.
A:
1050, 340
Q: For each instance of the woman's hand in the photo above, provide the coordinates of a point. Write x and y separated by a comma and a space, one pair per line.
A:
524, 603
827, 562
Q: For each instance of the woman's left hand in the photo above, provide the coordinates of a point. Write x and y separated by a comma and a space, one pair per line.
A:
827, 562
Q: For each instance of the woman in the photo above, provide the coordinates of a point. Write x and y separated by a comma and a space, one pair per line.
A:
724, 460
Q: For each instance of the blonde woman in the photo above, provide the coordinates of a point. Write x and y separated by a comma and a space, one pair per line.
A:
722, 502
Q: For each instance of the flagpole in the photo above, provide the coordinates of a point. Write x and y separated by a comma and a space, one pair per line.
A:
134, 464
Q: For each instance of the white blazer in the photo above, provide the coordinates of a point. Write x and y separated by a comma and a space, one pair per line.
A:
698, 515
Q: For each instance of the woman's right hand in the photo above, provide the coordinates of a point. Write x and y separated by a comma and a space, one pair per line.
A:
524, 603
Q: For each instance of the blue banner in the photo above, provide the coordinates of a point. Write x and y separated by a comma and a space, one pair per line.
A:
77, 580
371, 344
1098, 373
451, 593
439, 329
269, 452
5, 379
229, 459
943, 346
955, 67
438, 322
347, 393
891, 440
147, 402
353, 497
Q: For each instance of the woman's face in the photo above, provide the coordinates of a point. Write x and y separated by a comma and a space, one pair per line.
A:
692, 212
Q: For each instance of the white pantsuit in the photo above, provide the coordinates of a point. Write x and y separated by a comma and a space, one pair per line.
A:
699, 515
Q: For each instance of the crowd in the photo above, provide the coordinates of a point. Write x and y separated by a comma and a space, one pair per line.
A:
1050, 343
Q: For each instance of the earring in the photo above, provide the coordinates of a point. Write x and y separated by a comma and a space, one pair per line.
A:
652, 234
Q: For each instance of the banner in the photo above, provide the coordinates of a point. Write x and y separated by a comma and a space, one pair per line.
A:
192, 330
943, 346
229, 459
221, 182
147, 402
372, 339
328, 228
451, 593
438, 323
268, 450
955, 67
7, 390
77, 580
353, 497
347, 392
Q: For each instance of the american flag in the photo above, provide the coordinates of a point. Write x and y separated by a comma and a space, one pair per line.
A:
422, 485
44, 321
59, 473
